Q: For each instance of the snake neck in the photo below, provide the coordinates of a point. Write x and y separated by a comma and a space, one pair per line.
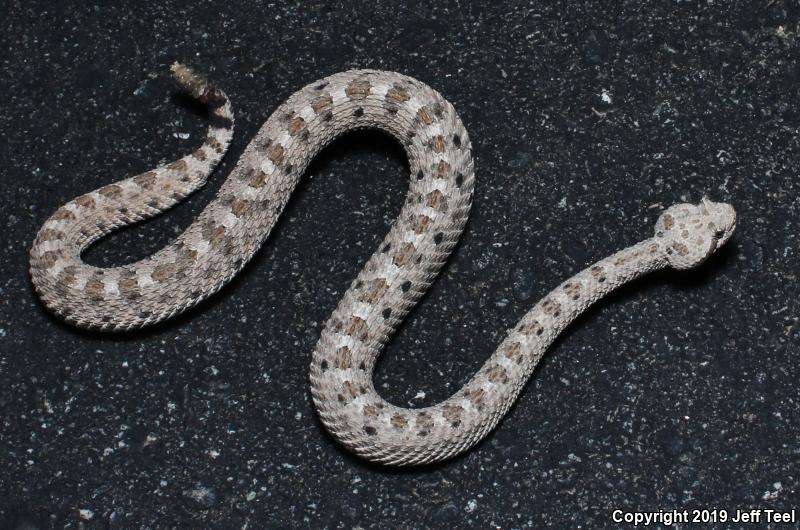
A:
574, 296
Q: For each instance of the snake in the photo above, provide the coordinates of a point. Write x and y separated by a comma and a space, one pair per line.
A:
233, 226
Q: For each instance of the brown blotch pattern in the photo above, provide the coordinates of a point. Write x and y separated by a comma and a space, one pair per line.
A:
437, 201
424, 115
437, 144
356, 328
514, 352
551, 307
67, 278
497, 375
358, 89
350, 389
420, 223
163, 272
321, 103
49, 258
680, 248
275, 153
186, 256
452, 413
86, 201
213, 232
95, 289
49, 234
399, 421
376, 288
145, 181
296, 125
112, 191
442, 169
259, 180
398, 94
598, 273
215, 145
573, 290
240, 207
178, 165
343, 358
62, 214
476, 397
128, 285
405, 254
532, 327
371, 411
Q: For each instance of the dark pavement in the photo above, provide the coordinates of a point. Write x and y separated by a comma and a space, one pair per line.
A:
679, 392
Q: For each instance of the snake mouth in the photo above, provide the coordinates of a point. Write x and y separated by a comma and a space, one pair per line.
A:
724, 220
722, 236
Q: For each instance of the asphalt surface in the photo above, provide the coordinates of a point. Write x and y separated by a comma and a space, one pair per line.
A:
587, 119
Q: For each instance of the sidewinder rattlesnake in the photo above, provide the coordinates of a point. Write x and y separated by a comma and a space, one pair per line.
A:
234, 225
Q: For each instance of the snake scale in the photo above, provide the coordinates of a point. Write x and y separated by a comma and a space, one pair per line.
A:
234, 225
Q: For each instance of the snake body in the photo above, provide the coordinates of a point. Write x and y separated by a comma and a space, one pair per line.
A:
234, 225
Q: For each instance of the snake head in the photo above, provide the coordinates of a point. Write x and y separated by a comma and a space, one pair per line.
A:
690, 233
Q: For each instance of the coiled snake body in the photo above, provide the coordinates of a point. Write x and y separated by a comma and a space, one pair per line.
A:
234, 225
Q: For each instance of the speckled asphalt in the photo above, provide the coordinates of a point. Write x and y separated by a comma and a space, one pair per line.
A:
679, 392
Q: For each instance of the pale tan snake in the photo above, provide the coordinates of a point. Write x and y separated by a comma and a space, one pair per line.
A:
233, 226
